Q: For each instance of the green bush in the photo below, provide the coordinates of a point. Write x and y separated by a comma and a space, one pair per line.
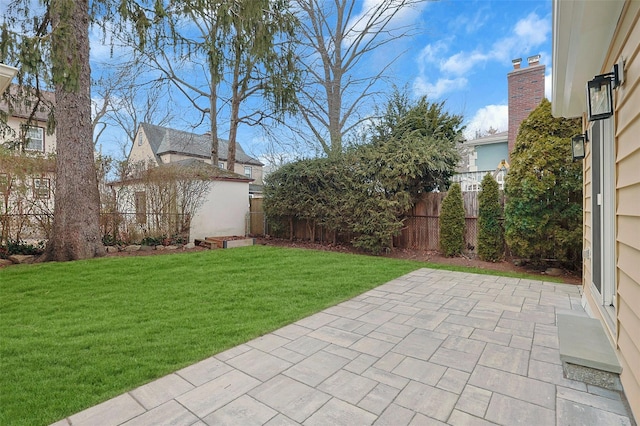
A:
490, 232
20, 247
452, 224
543, 211
153, 241
364, 191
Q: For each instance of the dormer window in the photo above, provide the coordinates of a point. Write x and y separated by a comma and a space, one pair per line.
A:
140, 139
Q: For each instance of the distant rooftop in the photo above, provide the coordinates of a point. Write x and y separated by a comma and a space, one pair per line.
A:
164, 140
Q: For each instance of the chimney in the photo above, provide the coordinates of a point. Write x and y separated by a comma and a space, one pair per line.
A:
516, 63
533, 60
526, 91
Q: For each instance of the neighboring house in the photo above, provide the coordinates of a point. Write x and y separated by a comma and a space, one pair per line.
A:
162, 145
490, 154
152, 204
480, 156
27, 171
589, 38
27, 127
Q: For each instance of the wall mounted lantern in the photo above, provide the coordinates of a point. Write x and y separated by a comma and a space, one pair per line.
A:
577, 146
600, 93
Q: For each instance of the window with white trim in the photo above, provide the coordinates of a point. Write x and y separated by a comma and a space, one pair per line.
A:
34, 138
41, 188
248, 172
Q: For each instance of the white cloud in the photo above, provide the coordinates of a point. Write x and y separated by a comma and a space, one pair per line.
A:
431, 52
490, 116
462, 62
422, 87
404, 17
533, 29
526, 35
470, 24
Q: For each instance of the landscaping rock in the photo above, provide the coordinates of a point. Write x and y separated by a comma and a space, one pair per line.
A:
146, 248
171, 247
111, 249
22, 258
160, 248
5, 262
553, 272
190, 246
132, 247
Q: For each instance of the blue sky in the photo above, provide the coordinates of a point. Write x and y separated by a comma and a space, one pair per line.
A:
461, 52
464, 53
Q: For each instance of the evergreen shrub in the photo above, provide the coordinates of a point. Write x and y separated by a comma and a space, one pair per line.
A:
490, 232
452, 224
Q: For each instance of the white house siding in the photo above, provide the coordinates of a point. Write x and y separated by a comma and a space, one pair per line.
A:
224, 211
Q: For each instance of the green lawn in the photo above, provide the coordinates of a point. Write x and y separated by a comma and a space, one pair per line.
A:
77, 333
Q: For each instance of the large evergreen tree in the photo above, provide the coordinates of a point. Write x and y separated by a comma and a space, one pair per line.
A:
49, 42
543, 211
76, 230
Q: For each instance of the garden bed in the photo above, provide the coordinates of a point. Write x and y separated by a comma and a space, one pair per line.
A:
226, 242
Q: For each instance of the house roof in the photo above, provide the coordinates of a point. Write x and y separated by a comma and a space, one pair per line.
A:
208, 170
164, 140
20, 103
489, 139
203, 170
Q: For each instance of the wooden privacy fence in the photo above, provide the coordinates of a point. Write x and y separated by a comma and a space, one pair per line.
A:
421, 230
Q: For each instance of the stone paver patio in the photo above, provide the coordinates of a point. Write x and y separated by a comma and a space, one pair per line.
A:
429, 348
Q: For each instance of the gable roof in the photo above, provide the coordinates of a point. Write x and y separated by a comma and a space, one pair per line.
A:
164, 140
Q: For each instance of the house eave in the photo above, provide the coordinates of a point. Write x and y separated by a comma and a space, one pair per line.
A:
582, 34
6, 75
488, 140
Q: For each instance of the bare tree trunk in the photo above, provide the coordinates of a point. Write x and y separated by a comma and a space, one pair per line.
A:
76, 223
213, 107
235, 112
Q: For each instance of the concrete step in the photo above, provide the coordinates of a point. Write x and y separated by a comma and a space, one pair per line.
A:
586, 353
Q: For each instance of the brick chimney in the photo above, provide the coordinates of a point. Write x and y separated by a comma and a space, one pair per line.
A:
516, 63
526, 91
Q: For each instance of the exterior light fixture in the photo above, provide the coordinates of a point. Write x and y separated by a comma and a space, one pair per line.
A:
577, 146
600, 93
